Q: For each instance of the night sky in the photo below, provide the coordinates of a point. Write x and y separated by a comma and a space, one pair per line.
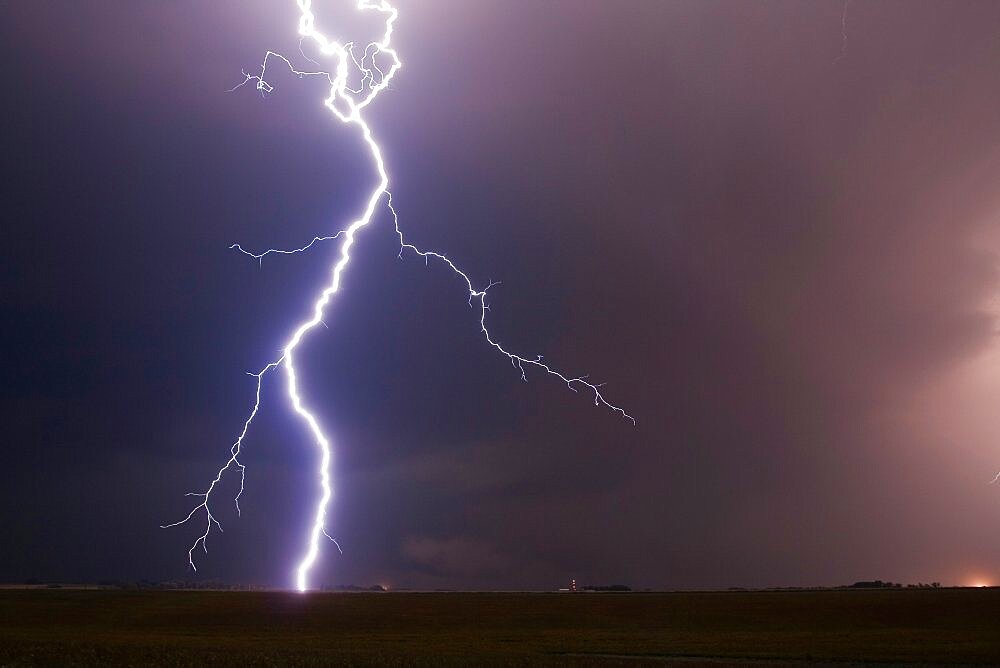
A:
780, 249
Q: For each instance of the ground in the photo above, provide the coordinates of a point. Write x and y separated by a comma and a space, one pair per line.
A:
74, 627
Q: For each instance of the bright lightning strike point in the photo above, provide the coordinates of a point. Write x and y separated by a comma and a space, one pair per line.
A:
346, 104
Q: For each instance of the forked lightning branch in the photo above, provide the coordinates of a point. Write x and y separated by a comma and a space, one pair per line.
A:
374, 65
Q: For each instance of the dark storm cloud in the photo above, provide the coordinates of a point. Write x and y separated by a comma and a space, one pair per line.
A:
784, 266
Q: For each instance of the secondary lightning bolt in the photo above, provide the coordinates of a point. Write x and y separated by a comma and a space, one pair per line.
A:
260, 256
346, 104
843, 33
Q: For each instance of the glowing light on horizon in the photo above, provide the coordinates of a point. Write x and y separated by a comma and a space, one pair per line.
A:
346, 104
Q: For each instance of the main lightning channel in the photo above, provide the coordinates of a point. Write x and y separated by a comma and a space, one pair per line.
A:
346, 104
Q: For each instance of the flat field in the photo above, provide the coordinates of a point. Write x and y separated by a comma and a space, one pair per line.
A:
77, 627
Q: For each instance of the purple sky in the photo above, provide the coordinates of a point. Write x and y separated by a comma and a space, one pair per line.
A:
783, 263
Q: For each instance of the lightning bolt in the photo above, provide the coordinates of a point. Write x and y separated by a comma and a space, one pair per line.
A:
843, 33
347, 104
270, 251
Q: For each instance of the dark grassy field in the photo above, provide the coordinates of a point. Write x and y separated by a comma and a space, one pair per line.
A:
67, 627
